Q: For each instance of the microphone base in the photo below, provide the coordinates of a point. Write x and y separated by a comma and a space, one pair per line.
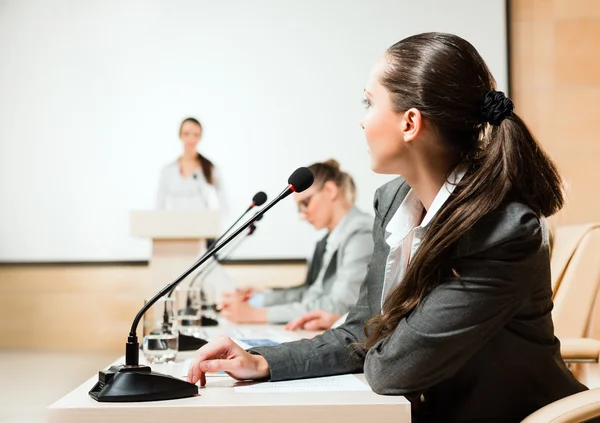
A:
190, 343
209, 321
139, 383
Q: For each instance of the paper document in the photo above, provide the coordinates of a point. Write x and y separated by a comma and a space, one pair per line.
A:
259, 342
250, 343
320, 384
278, 336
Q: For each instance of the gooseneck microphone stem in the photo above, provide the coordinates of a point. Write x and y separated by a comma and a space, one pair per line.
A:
232, 226
258, 200
214, 256
132, 347
217, 259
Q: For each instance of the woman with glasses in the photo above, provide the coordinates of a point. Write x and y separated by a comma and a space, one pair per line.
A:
339, 263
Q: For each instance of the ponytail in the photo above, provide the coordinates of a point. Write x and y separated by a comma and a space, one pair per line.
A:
530, 176
207, 168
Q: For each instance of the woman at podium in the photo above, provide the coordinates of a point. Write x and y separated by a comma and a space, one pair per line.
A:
192, 182
339, 263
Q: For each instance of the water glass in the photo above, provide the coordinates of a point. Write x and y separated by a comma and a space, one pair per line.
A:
161, 337
189, 309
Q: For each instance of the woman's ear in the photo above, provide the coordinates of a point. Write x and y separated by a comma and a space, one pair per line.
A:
332, 191
411, 124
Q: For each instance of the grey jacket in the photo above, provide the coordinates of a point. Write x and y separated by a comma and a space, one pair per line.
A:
338, 284
481, 348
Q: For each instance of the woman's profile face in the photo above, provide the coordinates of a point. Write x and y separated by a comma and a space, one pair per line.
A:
190, 135
382, 124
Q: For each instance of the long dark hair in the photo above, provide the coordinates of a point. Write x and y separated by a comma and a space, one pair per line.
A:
445, 78
206, 165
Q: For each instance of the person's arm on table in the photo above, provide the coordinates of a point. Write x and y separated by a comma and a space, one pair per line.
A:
327, 354
314, 320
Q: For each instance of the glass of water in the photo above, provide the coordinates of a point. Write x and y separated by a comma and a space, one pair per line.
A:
189, 309
161, 337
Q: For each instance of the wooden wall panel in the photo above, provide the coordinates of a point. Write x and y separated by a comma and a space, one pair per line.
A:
555, 84
90, 308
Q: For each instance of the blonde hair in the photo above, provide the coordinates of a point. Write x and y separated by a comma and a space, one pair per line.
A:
329, 170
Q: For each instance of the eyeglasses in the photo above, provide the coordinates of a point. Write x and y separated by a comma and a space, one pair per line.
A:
303, 204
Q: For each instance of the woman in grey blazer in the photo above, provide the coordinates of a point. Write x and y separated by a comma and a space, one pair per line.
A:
339, 263
455, 311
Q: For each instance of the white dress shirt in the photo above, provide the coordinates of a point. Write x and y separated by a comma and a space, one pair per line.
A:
176, 192
406, 233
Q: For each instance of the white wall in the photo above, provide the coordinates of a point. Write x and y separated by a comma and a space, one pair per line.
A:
92, 93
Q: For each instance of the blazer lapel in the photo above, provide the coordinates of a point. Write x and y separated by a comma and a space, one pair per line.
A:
386, 206
334, 244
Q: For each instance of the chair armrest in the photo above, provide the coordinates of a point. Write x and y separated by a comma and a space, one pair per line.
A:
572, 409
580, 349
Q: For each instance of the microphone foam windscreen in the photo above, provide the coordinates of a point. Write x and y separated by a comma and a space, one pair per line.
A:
259, 198
301, 179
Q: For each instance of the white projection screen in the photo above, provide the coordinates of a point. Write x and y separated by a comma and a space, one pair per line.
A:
92, 94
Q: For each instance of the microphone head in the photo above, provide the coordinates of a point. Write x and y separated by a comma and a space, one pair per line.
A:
301, 179
259, 198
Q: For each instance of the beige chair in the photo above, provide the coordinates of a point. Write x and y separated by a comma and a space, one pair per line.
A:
576, 291
576, 408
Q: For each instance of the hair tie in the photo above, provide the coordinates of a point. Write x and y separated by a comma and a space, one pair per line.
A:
496, 107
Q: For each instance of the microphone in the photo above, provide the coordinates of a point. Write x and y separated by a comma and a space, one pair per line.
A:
186, 342
132, 382
212, 266
191, 342
232, 248
258, 200
218, 259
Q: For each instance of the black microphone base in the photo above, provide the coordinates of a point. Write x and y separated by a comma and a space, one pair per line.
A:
209, 321
139, 383
190, 343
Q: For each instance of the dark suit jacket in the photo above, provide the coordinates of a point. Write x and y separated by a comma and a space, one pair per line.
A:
478, 349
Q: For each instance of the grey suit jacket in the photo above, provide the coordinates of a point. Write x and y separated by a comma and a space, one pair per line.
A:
338, 284
481, 348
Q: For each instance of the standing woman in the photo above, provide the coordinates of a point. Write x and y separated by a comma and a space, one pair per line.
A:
455, 310
191, 182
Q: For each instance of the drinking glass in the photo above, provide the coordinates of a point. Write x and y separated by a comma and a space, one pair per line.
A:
161, 337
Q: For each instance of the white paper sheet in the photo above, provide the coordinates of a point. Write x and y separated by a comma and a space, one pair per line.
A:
320, 384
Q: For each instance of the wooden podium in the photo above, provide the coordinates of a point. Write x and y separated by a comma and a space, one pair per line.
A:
178, 239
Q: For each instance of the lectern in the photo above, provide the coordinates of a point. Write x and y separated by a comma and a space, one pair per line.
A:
178, 239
